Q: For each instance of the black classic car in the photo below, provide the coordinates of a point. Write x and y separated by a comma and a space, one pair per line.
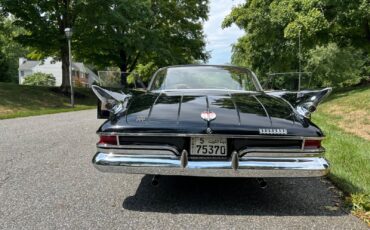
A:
212, 121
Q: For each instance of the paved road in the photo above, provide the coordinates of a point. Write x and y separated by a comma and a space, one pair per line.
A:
47, 181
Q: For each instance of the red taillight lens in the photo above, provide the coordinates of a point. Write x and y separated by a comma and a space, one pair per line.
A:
312, 143
109, 140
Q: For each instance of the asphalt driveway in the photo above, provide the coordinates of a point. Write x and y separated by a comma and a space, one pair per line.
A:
47, 181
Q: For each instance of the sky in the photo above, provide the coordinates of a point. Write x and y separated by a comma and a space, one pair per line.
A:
219, 41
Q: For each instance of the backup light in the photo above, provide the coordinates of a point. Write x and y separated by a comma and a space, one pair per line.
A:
108, 140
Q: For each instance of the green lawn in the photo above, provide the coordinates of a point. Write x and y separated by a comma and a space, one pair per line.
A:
22, 101
345, 119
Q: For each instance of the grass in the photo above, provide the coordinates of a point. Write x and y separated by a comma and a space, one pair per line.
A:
344, 117
22, 101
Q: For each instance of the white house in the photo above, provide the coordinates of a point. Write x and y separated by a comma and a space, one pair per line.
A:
81, 74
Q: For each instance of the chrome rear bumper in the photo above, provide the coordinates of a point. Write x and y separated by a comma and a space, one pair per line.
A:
163, 164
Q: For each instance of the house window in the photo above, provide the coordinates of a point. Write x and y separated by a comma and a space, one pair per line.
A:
22, 73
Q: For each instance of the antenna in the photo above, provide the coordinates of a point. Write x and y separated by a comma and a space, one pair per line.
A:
271, 75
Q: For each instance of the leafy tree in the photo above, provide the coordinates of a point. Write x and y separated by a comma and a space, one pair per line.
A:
10, 49
121, 33
4, 65
272, 27
40, 79
144, 72
45, 22
126, 33
263, 47
333, 66
4, 68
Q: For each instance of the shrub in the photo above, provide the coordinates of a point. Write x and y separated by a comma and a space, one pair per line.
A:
332, 65
40, 79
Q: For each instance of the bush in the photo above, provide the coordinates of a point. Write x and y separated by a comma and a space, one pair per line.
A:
40, 79
335, 66
144, 72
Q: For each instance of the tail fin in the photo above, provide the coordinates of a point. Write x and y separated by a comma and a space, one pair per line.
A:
305, 102
111, 101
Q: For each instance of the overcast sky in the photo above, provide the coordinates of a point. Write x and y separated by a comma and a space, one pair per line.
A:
219, 40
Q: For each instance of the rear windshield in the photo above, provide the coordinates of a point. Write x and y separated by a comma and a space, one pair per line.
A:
204, 77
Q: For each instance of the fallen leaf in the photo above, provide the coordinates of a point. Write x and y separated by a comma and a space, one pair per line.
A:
331, 208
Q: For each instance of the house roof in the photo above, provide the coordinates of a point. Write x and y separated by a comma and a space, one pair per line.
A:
28, 65
80, 67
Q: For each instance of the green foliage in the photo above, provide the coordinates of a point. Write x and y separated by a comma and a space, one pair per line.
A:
4, 68
361, 201
334, 66
144, 72
272, 28
40, 79
10, 50
44, 22
139, 32
121, 33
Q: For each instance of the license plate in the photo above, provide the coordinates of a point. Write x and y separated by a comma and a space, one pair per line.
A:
208, 146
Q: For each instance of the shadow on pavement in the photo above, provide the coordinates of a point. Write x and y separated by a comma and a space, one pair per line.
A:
234, 196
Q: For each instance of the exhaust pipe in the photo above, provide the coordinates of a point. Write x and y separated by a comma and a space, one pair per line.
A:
155, 180
262, 183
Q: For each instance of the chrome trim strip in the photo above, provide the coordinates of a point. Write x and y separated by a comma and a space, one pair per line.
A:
283, 154
264, 108
250, 152
143, 148
276, 151
216, 135
236, 108
149, 152
245, 167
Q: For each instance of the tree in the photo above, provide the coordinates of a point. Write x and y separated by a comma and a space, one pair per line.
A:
334, 66
39, 79
272, 27
142, 73
4, 65
4, 68
125, 33
45, 22
121, 33
10, 49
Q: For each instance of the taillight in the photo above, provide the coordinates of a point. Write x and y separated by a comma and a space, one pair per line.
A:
109, 140
312, 143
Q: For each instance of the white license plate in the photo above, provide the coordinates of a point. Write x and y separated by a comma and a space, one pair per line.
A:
208, 146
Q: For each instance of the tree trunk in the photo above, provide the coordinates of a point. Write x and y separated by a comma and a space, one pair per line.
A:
123, 68
65, 87
64, 22
367, 29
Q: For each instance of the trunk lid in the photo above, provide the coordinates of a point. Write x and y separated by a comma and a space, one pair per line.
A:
238, 112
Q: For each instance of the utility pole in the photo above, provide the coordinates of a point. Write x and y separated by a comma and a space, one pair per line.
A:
299, 59
69, 34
